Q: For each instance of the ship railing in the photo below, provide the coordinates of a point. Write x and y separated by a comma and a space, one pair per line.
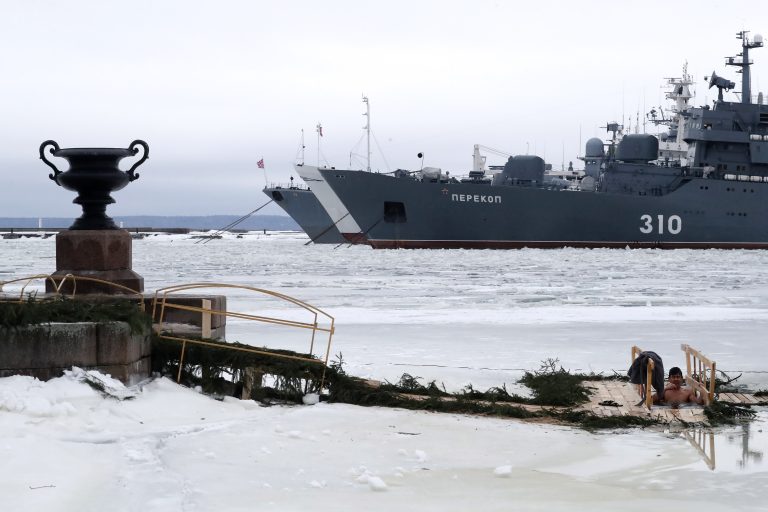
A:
745, 177
700, 373
647, 396
288, 186
709, 173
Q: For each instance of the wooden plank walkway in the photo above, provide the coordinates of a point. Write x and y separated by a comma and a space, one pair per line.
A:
618, 398
624, 395
742, 398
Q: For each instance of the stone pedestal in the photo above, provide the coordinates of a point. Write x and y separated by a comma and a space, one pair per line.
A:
99, 254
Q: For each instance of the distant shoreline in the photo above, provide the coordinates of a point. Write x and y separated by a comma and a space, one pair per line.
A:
143, 232
160, 223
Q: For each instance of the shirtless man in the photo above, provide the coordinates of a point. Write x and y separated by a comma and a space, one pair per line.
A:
675, 394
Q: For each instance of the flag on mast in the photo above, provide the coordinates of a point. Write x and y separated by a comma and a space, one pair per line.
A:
260, 163
320, 129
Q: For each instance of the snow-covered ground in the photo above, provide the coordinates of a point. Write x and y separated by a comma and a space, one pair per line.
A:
459, 317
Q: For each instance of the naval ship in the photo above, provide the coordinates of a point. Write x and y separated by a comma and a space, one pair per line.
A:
631, 194
300, 203
341, 218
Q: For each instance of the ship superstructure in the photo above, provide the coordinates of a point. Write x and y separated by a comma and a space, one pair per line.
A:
716, 195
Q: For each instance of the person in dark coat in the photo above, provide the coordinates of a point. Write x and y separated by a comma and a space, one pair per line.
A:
638, 371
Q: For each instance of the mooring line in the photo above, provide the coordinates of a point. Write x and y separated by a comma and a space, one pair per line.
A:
232, 224
361, 234
326, 230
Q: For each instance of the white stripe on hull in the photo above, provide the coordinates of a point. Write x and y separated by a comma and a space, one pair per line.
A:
328, 198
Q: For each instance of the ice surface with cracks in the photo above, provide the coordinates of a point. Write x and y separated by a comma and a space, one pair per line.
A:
460, 317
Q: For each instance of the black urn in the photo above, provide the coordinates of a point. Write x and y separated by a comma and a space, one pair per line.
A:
93, 173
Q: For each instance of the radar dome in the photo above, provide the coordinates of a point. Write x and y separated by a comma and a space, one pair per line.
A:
594, 147
758, 39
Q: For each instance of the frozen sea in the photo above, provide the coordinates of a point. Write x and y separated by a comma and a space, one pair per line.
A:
454, 316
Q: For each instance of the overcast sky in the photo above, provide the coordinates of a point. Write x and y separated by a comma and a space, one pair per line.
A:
215, 86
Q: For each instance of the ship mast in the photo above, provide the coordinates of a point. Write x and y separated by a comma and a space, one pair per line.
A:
302, 146
367, 128
744, 63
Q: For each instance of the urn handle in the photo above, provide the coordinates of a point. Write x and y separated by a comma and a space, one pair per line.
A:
134, 148
54, 147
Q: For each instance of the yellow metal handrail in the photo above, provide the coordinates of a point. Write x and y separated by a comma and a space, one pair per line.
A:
28, 280
58, 286
162, 302
700, 372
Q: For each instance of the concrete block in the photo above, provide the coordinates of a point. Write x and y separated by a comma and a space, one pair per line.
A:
46, 345
187, 331
130, 373
45, 351
179, 316
117, 345
38, 373
75, 343
19, 348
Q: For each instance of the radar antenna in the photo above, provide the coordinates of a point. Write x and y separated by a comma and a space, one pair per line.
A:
743, 63
721, 84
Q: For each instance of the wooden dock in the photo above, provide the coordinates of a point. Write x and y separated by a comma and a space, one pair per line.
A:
616, 398
742, 399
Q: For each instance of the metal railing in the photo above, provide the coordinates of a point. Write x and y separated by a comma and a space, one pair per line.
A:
163, 302
57, 286
288, 186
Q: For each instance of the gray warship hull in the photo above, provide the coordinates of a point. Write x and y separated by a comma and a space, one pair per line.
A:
303, 207
408, 213
631, 193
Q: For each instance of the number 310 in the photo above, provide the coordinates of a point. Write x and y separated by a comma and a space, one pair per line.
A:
674, 224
